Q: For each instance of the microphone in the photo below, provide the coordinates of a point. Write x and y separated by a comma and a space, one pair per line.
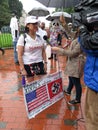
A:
46, 39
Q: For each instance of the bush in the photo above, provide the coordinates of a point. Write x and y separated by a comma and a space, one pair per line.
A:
6, 40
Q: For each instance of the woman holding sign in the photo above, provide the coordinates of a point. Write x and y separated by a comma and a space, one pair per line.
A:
31, 50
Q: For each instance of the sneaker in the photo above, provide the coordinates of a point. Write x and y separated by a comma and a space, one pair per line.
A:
67, 93
72, 102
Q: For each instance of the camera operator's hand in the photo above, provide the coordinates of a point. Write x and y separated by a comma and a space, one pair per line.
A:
82, 28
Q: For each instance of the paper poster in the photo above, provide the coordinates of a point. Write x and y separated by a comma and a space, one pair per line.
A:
42, 93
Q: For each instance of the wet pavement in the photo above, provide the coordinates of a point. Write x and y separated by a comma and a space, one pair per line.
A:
13, 116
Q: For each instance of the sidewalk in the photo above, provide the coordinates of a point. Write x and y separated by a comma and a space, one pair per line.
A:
13, 116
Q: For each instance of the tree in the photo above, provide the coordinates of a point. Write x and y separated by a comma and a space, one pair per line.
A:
4, 13
15, 6
7, 7
68, 10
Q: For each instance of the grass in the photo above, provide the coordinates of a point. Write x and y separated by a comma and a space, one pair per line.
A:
6, 40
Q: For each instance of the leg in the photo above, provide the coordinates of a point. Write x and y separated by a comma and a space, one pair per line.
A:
55, 56
91, 110
78, 87
70, 85
30, 74
15, 52
51, 57
41, 68
76, 82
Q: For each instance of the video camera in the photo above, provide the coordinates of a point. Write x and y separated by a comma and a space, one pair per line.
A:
86, 12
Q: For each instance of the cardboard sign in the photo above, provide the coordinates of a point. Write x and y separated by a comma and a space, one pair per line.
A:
42, 93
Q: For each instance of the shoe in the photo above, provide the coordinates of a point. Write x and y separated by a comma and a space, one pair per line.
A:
72, 102
67, 93
17, 63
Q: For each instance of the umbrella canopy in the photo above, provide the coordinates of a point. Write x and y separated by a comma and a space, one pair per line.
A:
57, 15
59, 3
39, 11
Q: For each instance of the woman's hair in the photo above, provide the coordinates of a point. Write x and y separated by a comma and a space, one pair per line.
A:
26, 29
76, 34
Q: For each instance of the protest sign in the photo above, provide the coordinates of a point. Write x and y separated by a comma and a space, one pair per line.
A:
42, 93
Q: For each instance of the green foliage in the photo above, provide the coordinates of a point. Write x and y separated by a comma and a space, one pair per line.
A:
22, 29
68, 10
4, 13
6, 40
16, 7
6, 9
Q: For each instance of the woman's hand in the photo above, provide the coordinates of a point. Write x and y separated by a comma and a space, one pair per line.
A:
23, 72
55, 49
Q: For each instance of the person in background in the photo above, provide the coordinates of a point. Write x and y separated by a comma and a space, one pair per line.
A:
55, 38
42, 32
46, 31
69, 33
70, 28
42, 25
31, 54
15, 35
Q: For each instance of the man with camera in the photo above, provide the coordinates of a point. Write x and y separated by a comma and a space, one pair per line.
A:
86, 19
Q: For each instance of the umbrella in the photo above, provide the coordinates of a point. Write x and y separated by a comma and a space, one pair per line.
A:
57, 15
39, 11
59, 3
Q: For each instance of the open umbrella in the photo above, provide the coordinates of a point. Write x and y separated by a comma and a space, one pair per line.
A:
39, 11
59, 3
57, 15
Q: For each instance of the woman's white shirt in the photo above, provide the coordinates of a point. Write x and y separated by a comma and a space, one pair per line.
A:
32, 49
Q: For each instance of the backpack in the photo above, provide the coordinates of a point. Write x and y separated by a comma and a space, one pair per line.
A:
24, 35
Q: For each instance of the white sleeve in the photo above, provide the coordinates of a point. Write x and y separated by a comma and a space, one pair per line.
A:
20, 41
16, 24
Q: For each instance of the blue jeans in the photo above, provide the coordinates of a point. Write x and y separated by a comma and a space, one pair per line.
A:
15, 52
75, 82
